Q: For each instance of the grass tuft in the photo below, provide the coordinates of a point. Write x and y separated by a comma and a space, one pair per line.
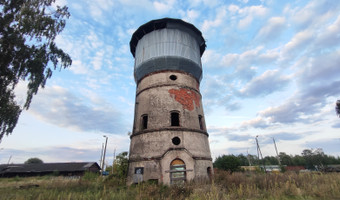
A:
237, 185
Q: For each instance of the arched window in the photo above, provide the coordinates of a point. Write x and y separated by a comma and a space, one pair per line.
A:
209, 172
200, 121
177, 172
174, 118
144, 122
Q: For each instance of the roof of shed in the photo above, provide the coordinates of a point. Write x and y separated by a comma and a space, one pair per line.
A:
47, 167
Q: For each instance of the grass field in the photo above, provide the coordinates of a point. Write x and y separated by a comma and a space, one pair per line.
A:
224, 186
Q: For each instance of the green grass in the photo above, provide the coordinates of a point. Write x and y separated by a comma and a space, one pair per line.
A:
250, 186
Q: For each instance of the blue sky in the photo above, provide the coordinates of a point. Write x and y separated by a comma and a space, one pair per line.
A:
271, 68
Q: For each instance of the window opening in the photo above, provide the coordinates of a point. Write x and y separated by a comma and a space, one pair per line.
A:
176, 140
173, 77
144, 122
177, 172
209, 173
200, 121
139, 170
174, 119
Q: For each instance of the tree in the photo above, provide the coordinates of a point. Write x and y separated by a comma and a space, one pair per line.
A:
34, 161
243, 160
285, 159
299, 160
28, 52
120, 166
270, 160
228, 163
337, 107
315, 159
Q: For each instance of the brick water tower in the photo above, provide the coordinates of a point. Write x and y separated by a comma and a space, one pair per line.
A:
169, 142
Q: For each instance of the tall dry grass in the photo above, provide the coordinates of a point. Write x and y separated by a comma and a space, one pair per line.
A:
224, 186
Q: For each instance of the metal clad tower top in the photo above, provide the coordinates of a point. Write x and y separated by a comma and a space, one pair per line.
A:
167, 44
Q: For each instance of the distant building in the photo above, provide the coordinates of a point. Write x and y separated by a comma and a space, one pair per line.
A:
62, 169
332, 168
271, 168
169, 142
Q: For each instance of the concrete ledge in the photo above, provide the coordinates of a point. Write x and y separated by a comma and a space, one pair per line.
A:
169, 129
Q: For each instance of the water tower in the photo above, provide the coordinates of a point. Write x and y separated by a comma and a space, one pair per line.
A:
169, 141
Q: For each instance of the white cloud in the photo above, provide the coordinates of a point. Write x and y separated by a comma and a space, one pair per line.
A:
233, 8
315, 71
268, 82
56, 105
297, 44
257, 122
330, 36
78, 67
94, 40
272, 29
210, 57
219, 18
230, 59
208, 3
98, 60
164, 7
249, 14
191, 15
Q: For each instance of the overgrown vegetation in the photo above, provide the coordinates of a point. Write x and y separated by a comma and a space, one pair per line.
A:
225, 186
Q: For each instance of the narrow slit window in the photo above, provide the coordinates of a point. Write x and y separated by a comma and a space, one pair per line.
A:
200, 120
144, 122
174, 119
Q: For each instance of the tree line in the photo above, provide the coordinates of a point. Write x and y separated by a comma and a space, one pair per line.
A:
312, 159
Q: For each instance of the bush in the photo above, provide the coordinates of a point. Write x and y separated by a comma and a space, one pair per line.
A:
90, 176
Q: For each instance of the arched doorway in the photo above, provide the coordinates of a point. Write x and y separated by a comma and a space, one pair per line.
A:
177, 172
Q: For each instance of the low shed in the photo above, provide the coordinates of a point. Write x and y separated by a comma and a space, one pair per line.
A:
63, 169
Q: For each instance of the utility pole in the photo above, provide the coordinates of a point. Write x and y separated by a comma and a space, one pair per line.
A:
114, 158
9, 160
259, 153
277, 153
101, 157
103, 162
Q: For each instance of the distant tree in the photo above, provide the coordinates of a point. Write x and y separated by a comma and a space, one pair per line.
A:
228, 163
254, 160
28, 52
243, 160
298, 160
270, 160
285, 159
34, 161
120, 166
314, 158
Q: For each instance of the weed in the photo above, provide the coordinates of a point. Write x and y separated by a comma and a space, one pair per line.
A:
224, 186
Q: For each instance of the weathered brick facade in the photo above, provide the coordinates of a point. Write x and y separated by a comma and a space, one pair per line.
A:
169, 142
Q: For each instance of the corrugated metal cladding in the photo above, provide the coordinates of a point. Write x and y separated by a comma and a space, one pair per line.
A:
167, 42
168, 49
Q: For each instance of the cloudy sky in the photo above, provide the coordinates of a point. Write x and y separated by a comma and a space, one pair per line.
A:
271, 68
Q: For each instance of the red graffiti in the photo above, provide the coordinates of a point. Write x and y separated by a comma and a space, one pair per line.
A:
186, 97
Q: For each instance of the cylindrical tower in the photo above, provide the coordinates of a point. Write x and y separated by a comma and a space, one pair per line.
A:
169, 142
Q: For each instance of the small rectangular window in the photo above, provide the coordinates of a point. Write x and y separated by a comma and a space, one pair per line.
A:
144, 122
200, 121
174, 119
139, 170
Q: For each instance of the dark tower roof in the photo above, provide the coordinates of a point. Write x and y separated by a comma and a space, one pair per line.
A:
166, 23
